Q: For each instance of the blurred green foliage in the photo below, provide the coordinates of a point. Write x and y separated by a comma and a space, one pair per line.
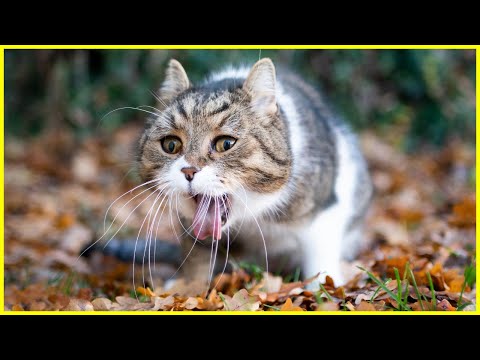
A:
413, 96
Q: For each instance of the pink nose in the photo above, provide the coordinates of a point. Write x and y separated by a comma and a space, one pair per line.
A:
189, 172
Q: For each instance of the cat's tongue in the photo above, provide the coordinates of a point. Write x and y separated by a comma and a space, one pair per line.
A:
207, 219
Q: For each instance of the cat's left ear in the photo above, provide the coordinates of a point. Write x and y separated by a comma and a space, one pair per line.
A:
176, 81
260, 84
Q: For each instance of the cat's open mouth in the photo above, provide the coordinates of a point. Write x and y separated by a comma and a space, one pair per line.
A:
210, 215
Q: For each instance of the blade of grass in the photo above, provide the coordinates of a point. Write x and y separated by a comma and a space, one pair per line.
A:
378, 289
434, 298
379, 283
405, 272
399, 287
223, 299
296, 277
415, 287
272, 307
468, 278
318, 298
325, 291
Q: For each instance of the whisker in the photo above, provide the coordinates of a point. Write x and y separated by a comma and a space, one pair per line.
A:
196, 239
258, 225
226, 256
136, 207
150, 235
149, 216
105, 233
127, 192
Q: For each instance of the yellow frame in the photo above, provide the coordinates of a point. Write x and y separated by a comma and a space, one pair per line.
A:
212, 47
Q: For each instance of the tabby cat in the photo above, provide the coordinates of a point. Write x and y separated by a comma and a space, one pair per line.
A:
254, 162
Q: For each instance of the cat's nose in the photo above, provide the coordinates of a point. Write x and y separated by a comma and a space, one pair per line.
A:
189, 172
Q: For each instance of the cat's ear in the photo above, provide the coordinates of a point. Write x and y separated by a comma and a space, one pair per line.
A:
260, 84
176, 81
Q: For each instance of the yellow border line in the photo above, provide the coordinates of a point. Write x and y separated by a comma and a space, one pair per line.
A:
212, 47
2, 209
267, 313
477, 207
244, 47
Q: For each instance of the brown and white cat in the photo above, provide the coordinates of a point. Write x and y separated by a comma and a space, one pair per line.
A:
255, 162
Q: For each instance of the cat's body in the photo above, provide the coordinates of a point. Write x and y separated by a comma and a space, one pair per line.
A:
262, 155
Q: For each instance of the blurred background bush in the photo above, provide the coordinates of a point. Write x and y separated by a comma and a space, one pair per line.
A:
411, 97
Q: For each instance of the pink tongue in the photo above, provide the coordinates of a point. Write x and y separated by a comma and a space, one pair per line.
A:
207, 222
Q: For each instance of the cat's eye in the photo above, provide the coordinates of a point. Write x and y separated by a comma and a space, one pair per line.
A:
171, 144
224, 143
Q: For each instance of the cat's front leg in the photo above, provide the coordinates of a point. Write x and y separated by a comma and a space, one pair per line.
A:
196, 261
322, 246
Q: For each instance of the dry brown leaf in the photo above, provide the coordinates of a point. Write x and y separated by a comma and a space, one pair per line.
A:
295, 291
102, 304
464, 213
327, 306
79, 305
270, 283
17, 307
444, 305
163, 303
38, 306
241, 301
85, 294
191, 303
339, 292
59, 300
126, 301
288, 306
329, 282
349, 306
145, 292
365, 306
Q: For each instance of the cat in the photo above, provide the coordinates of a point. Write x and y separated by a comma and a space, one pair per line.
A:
255, 162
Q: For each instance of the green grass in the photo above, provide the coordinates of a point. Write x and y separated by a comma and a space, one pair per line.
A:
434, 298
322, 288
224, 302
420, 296
469, 279
397, 297
253, 269
401, 297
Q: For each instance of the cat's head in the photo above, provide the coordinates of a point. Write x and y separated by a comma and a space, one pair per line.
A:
219, 150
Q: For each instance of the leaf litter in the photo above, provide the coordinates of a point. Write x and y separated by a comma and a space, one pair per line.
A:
421, 232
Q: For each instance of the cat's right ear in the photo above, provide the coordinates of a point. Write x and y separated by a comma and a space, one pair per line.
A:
176, 81
260, 84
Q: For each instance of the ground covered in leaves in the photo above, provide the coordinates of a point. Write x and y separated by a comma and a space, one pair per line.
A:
57, 188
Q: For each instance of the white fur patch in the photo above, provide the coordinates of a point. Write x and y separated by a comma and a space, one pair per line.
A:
228, 73
205, 181
323, 239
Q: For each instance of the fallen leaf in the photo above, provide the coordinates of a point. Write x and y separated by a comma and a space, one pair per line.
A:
464, 213
327, 306
444, 305
241, 301
191, 303
163, 303
79, 305
365, 306
349, 306
145, 292
101, 304
38, 306
288, 306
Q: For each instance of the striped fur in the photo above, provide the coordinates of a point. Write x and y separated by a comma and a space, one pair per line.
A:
284, 165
